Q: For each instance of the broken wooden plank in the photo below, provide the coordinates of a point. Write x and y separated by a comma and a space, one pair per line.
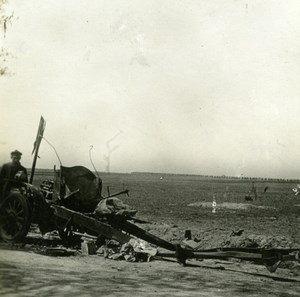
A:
142, 234
90, 224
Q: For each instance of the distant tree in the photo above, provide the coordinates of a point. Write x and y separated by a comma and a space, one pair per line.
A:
5, 20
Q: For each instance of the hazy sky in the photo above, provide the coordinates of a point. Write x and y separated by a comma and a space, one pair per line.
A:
200, 87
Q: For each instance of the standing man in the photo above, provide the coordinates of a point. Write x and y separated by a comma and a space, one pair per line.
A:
14, 169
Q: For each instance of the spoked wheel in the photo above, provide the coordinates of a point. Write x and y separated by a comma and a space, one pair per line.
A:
14, 217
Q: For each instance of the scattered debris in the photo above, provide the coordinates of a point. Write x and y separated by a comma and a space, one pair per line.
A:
190, 244
113, 205
135, 250
59, 252
88, 247
237, 233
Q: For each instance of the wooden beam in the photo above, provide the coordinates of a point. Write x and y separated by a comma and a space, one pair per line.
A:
90, 224
36, 146
142, 234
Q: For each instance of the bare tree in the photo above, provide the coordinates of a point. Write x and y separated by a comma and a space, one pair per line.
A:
5, 20
110, 149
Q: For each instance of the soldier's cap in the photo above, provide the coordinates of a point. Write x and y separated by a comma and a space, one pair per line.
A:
16, 152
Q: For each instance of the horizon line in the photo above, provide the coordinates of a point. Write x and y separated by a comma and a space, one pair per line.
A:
188, 174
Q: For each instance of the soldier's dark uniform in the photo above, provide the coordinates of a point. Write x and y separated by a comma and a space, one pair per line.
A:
9, 170
12, 170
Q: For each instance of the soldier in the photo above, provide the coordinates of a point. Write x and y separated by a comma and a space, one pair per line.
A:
14, 169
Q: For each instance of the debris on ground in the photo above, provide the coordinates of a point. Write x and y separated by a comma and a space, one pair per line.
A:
114, 206
59, 252
136, 250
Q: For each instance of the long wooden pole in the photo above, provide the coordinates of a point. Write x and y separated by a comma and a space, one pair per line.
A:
36, 147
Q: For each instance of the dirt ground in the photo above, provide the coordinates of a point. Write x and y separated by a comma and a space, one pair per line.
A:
23, 273
25, 270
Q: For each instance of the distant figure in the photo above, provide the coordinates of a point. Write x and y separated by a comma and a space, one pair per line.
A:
14, 169
266, 189
254, 190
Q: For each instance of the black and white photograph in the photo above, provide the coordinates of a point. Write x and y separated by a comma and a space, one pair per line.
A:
150, 148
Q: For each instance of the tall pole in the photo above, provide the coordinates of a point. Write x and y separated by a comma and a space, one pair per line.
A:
36, 146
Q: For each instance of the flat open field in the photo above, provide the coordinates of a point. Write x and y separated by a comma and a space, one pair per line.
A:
184, 202
175, 203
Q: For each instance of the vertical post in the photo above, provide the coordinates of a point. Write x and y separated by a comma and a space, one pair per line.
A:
36, 146
188, 234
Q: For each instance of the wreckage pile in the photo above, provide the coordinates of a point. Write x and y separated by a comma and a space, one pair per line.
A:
119, 239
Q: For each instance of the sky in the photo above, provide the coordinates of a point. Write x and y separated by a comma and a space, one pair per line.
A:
194, 86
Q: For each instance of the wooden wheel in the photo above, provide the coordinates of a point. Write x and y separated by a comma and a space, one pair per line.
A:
14, 217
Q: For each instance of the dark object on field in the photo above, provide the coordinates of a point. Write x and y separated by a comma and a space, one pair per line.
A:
248, 198
253, 191
188, 234
237, 233
266, 189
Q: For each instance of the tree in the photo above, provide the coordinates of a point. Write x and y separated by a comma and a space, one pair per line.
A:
5, 19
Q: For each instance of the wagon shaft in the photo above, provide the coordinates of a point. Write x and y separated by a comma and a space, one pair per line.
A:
271, 258
89, 223
111, 230
143, 234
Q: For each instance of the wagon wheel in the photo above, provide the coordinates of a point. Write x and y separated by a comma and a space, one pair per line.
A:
14, 217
